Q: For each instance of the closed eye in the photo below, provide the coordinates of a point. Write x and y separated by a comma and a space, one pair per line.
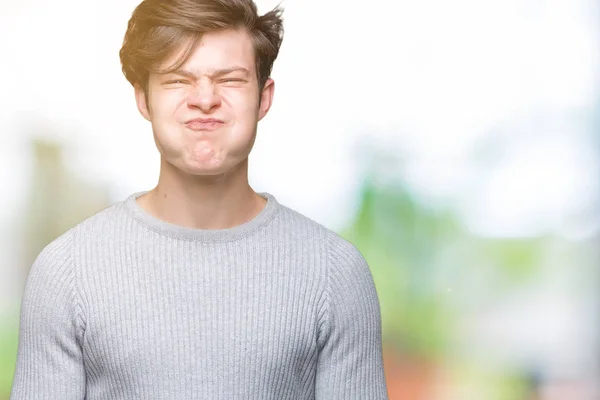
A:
176, 81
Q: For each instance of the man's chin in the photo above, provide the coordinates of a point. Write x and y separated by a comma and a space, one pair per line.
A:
211, 169
204, 170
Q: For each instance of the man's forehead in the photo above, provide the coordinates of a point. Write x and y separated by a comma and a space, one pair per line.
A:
235, 54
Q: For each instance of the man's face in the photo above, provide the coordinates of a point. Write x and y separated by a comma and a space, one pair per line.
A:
204, 116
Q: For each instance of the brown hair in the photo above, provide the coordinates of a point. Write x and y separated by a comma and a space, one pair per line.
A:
158, 27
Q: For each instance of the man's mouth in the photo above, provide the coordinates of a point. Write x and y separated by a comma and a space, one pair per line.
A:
204, 124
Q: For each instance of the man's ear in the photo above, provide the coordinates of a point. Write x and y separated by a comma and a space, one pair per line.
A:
141, 101
266, 98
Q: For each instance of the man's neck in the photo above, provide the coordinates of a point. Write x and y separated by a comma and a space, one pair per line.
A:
207, 203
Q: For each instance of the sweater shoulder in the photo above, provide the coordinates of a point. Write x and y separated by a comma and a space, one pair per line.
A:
333, 241
101, 221
302, 224
59, 246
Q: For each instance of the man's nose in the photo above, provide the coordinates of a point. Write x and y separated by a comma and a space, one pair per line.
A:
204, 96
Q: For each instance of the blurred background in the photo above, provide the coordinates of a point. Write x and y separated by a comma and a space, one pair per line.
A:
456, 144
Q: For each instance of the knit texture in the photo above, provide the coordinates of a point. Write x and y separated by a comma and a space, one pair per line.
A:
127, 306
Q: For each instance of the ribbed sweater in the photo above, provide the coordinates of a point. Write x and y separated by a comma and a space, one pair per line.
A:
127, 306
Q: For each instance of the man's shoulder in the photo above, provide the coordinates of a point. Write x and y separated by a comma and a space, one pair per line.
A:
300, 224
58, 253
98, 223
306, 227
341, 252
101, 220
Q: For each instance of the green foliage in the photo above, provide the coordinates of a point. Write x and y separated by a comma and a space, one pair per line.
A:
491, 383
8, 355
517, 258
400, 239
415, 252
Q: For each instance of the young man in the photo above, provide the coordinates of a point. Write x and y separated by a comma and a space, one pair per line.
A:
200, 288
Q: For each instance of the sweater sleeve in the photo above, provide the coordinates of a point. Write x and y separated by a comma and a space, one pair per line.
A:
350, 362
49, 358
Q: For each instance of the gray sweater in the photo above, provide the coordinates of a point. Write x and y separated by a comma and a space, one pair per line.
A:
126, 306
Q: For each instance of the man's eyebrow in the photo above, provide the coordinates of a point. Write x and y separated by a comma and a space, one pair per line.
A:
220, 72
183, 72
212, 73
